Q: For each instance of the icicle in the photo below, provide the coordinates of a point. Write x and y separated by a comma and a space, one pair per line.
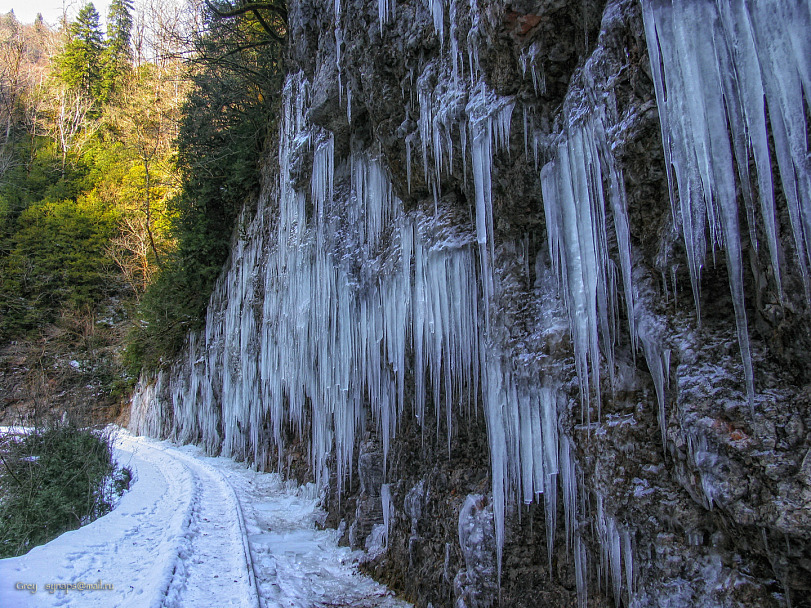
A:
408, 141
437, 14
385, 499
569, 228
454, 51
482, 158
568, 479
694, 47
489, 122
568, 475
574, 205
384, 10
528, 449
616, 548
627, 552
580, 566
348, 104
425, 127
497, 435
323, 170
463, 140
549, 428
658, 363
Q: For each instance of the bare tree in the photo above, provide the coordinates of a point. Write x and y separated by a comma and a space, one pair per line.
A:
146, 120
65, 119
162, 30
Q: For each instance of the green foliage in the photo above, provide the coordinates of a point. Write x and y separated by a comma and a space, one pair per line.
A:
57, 259
81, 62
42, 178
223, 129
118, 53
119, 29
128, 189
166, 314
53, 480
86, 171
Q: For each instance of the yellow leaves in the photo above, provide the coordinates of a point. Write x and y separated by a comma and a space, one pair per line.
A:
143, 122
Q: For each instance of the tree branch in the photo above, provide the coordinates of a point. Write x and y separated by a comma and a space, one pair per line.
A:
266, 26
246, 6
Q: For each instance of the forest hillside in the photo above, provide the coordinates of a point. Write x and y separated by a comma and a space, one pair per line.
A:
126, 153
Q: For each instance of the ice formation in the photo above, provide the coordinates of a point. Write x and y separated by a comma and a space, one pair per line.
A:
385, 499
575, 206
616, 552
734, 67
331, 291
298, 336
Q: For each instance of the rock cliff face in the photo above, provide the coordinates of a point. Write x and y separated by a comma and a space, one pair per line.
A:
530, 301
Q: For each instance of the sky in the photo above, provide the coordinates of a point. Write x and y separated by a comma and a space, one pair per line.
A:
26, 10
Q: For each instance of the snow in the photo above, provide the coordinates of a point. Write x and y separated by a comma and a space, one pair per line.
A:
193, 528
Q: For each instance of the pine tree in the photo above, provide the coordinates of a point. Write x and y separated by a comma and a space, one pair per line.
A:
81, 64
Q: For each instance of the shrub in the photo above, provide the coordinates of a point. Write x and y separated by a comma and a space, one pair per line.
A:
53, 480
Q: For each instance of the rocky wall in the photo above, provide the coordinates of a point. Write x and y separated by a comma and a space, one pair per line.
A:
720, 512
663, 482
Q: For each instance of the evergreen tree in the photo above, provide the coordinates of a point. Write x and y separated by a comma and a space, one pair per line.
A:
119, 31
81, 62
118, 54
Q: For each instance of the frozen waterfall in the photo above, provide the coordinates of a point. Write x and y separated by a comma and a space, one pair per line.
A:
336, 301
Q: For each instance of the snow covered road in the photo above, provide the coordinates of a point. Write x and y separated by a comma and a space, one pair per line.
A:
195, 531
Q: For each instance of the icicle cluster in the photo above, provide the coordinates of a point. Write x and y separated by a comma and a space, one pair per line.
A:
299, 335
490, 118
302, 335
616, 552
310, 326
331, 292
531, 59
147, 417
738, 67
580, 184
575, 206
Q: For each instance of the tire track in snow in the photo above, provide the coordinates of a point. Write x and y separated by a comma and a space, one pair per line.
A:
199, 531
215, 521
298, 564
175, 537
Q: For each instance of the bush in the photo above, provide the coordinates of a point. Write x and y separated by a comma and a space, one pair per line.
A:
53, 480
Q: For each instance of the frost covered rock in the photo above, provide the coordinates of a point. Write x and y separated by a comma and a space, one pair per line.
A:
476, 586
